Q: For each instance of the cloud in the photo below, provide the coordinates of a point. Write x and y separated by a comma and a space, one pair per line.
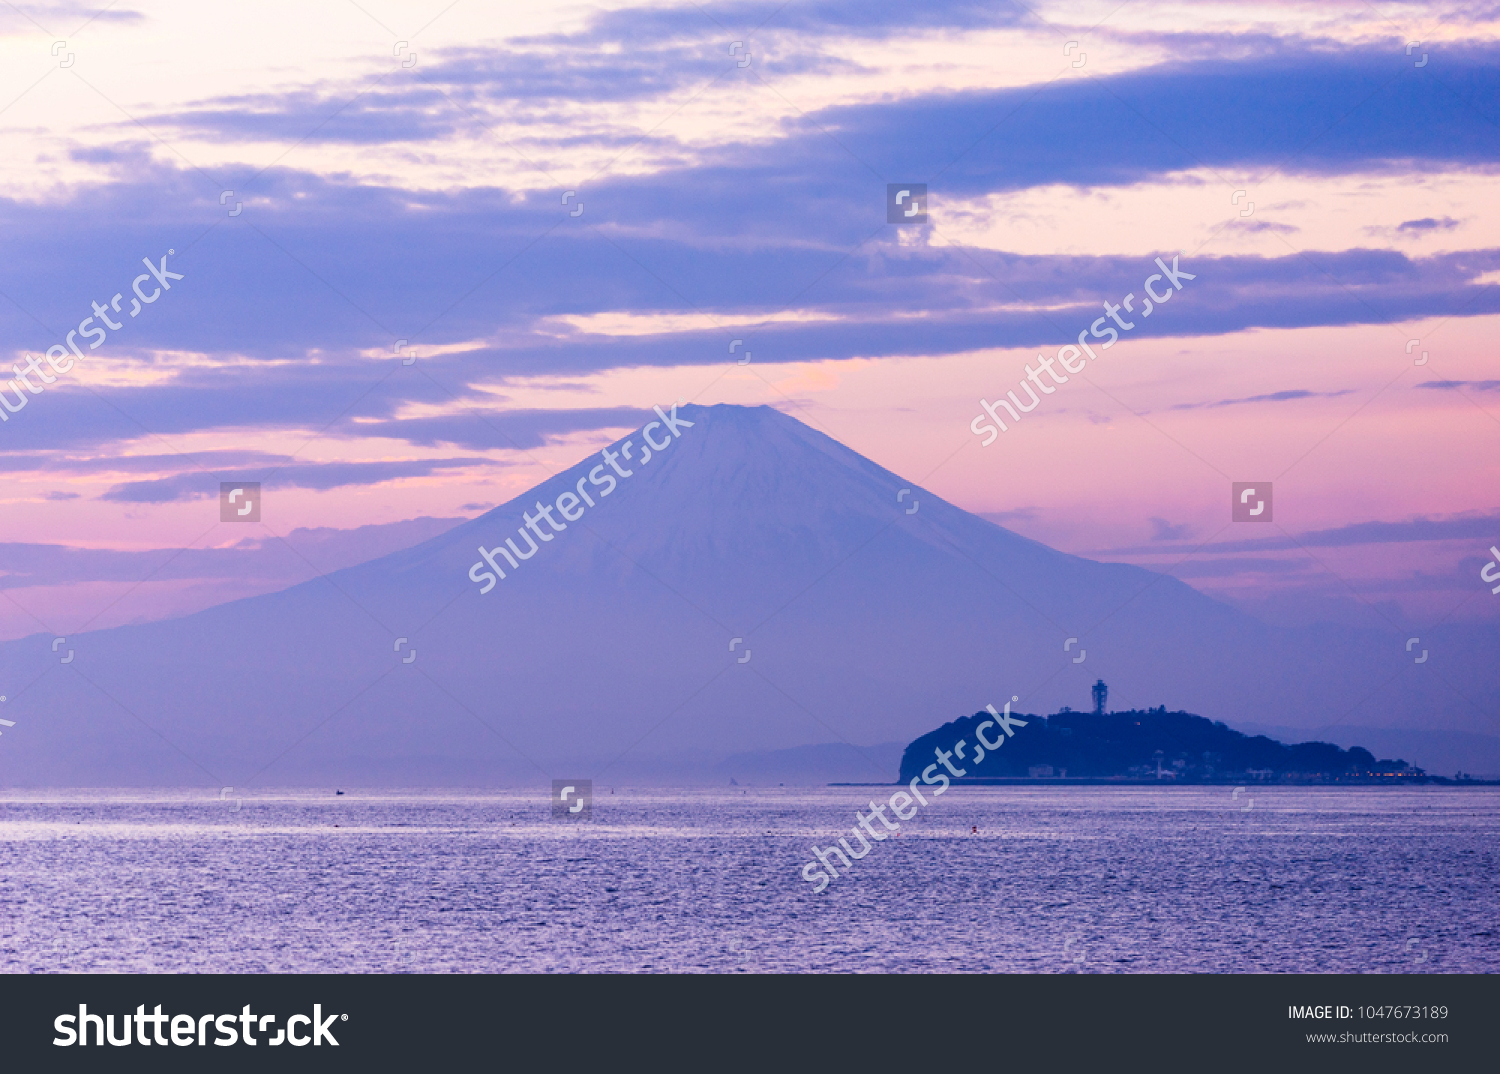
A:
302, 367
321, 476
15, 463
1414, 229
518, 429
874, 19
1235, 101
1320, 111
1229, 567
357, 269
64, 19
133, 154
631, 55
1429, 223
1482, 529
1273, 397
1162, 530
1266, 225
280, 304
77, 421
272, 559
350, 265
1458, 385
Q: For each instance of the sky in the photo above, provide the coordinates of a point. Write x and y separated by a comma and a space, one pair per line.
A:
427, 254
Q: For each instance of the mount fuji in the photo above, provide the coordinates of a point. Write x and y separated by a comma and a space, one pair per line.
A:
753, 585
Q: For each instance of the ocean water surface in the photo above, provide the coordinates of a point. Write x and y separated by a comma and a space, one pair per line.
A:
1076, 879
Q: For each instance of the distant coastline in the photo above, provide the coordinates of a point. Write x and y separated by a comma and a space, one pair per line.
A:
1136, 781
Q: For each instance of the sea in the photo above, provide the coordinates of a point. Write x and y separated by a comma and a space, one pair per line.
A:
1031, 879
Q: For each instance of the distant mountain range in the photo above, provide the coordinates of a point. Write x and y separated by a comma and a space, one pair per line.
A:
752, 586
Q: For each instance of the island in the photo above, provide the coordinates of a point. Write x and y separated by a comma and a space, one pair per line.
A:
1137, 746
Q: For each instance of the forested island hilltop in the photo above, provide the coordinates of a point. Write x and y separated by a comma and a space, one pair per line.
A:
1152, 745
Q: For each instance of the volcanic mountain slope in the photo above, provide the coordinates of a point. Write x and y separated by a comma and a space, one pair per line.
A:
611, 652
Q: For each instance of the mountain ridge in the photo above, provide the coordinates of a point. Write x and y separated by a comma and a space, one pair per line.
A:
614, 649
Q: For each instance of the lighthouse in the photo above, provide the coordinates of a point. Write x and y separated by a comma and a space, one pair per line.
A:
1101, 694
